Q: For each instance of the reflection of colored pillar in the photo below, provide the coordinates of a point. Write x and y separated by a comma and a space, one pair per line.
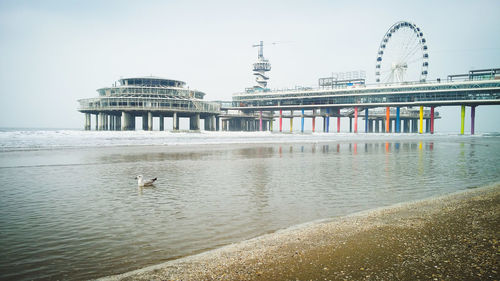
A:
432, 120
421, 129
302, 122
281, 120
387, 119
462, 120
472, 118
398, 120
260, 121
366, 120
327, 120
356, 120
338, 121
291, 121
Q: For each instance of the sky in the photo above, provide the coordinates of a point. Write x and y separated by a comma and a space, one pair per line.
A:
56, 52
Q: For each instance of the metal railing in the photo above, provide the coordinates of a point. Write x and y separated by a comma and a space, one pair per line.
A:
141, 103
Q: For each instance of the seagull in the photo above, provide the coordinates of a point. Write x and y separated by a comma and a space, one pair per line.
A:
141, 182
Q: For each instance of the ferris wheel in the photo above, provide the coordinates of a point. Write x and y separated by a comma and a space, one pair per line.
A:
402, 55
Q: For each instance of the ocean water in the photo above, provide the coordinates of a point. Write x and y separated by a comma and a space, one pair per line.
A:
70, 207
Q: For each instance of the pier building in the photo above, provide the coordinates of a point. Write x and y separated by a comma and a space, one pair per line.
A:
116, 107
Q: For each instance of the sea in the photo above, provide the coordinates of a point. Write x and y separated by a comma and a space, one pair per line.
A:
71, 209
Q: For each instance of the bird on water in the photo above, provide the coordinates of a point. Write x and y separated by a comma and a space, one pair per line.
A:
142, 183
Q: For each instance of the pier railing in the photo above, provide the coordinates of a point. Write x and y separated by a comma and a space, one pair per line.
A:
147, 104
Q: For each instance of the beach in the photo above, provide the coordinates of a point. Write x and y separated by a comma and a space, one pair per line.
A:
451, 237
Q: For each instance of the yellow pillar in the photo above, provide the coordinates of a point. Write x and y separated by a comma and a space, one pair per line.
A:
462, 119
291, 124
421, 129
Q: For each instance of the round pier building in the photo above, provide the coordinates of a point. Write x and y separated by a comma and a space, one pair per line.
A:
148, 97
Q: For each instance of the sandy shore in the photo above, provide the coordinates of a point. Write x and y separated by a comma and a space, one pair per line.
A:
454, 237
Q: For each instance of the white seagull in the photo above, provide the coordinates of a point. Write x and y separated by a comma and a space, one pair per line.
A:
141, 182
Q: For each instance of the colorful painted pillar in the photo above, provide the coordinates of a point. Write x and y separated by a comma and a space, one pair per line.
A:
302, 122
472, 118
398, 120
367, 122
291, 121
314, 121
432, 120
260, 121
356, 120
462, 120
271, 122
421, 129
327, 120
387, 119
281, 120
338, 121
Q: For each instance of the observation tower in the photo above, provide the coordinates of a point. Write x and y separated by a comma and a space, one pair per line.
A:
260, 68
117, 106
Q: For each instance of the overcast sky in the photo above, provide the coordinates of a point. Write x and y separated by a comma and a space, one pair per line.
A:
55, 52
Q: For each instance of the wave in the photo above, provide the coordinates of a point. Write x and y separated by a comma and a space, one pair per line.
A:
13, 140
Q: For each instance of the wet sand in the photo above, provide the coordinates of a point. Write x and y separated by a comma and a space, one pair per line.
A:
453, 237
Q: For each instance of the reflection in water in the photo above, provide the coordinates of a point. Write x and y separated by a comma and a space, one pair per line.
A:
208, 196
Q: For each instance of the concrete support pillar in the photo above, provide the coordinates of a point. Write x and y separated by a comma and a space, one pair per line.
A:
338, 120
128, 121
194, 122
472, 118
87, 122
390, 126
213, 123
144, 122
370, 126
162, 123
118, 122
281, 120
384, 123
111, 124
175, 122
101, 121
150, 121
376, 126
367, 121
406, 125
324, 124
427, 125
260, 121
350, 124
218, 124
97, 122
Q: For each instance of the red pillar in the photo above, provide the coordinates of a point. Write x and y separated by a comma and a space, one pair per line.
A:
338, 121
432, 120
388, 120
356, 120
281, 120
314, 122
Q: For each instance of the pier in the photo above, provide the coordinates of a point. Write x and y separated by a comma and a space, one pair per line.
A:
117, 107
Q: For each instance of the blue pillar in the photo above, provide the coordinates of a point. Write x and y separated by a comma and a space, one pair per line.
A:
302, 122
327, 120
398, 121
366, 120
